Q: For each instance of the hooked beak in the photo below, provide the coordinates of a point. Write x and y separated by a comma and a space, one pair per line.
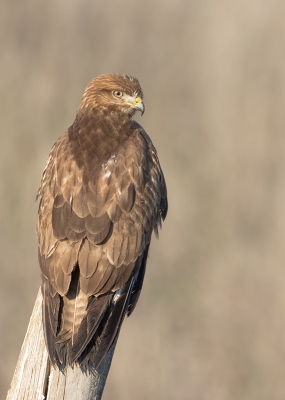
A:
135, 103
139, 105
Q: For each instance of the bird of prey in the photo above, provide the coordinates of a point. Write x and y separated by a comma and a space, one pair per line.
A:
102, 194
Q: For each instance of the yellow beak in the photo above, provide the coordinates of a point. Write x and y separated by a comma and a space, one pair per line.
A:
139, 105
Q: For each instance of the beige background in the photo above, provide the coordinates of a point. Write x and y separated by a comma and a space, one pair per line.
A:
210, 324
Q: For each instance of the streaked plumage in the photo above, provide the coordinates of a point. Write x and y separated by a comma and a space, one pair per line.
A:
102, 194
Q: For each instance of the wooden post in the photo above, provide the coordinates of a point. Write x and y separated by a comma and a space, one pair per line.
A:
35, 378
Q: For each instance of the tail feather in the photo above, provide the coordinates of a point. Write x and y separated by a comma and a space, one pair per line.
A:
74, 306
94, 313
81, 328
108, 329
112, 327
51, 312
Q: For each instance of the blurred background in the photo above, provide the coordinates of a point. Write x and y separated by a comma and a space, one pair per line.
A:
210, 323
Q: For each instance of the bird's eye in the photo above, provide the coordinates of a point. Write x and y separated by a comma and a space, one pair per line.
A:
117, 93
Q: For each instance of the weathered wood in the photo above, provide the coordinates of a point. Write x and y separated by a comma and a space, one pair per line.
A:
35, 378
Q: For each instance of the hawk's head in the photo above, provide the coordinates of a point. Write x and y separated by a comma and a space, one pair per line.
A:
114, 93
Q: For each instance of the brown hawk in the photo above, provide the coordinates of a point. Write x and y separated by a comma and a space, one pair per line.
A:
102, 194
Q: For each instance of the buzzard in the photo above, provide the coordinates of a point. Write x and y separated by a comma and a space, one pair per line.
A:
102, 194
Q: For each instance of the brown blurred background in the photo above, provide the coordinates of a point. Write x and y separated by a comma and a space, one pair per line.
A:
210, 324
